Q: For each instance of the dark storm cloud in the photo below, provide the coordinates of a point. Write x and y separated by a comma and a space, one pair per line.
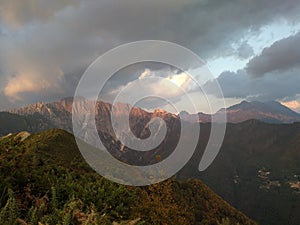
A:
245, 51
234, 85
273, 86
213, 26
54, 41
280, 56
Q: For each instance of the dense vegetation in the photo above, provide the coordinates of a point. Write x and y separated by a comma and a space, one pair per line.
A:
44, 180
254, 170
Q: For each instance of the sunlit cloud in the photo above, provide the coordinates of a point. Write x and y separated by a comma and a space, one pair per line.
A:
181, 80
164, 87
292, 104
30, 81
16, 13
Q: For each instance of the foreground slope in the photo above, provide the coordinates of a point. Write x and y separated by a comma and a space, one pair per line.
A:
44, 179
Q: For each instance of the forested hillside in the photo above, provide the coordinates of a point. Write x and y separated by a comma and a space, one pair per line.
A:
45, 180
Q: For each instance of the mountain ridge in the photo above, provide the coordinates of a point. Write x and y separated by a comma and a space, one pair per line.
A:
271, 111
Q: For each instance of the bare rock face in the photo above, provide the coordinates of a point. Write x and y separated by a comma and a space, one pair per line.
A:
60, 115
54, 113
22, 135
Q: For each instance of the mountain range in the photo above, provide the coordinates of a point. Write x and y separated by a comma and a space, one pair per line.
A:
257, 169
59, 113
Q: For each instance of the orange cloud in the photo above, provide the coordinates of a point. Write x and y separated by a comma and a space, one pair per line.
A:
292, 104
16, 13
31, 81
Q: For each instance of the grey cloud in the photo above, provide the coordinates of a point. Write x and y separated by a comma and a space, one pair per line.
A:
212, 26
273, 86
245, 51
4, 103
282, 55
234, 85
67, 37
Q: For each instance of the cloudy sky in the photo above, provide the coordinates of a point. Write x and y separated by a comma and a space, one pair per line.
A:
252, 47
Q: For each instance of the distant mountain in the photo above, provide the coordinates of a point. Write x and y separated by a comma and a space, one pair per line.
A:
44, 180
270, 112
59, 114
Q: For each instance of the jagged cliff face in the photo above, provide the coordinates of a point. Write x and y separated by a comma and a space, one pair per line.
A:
139, 121
56, 113
60, 115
